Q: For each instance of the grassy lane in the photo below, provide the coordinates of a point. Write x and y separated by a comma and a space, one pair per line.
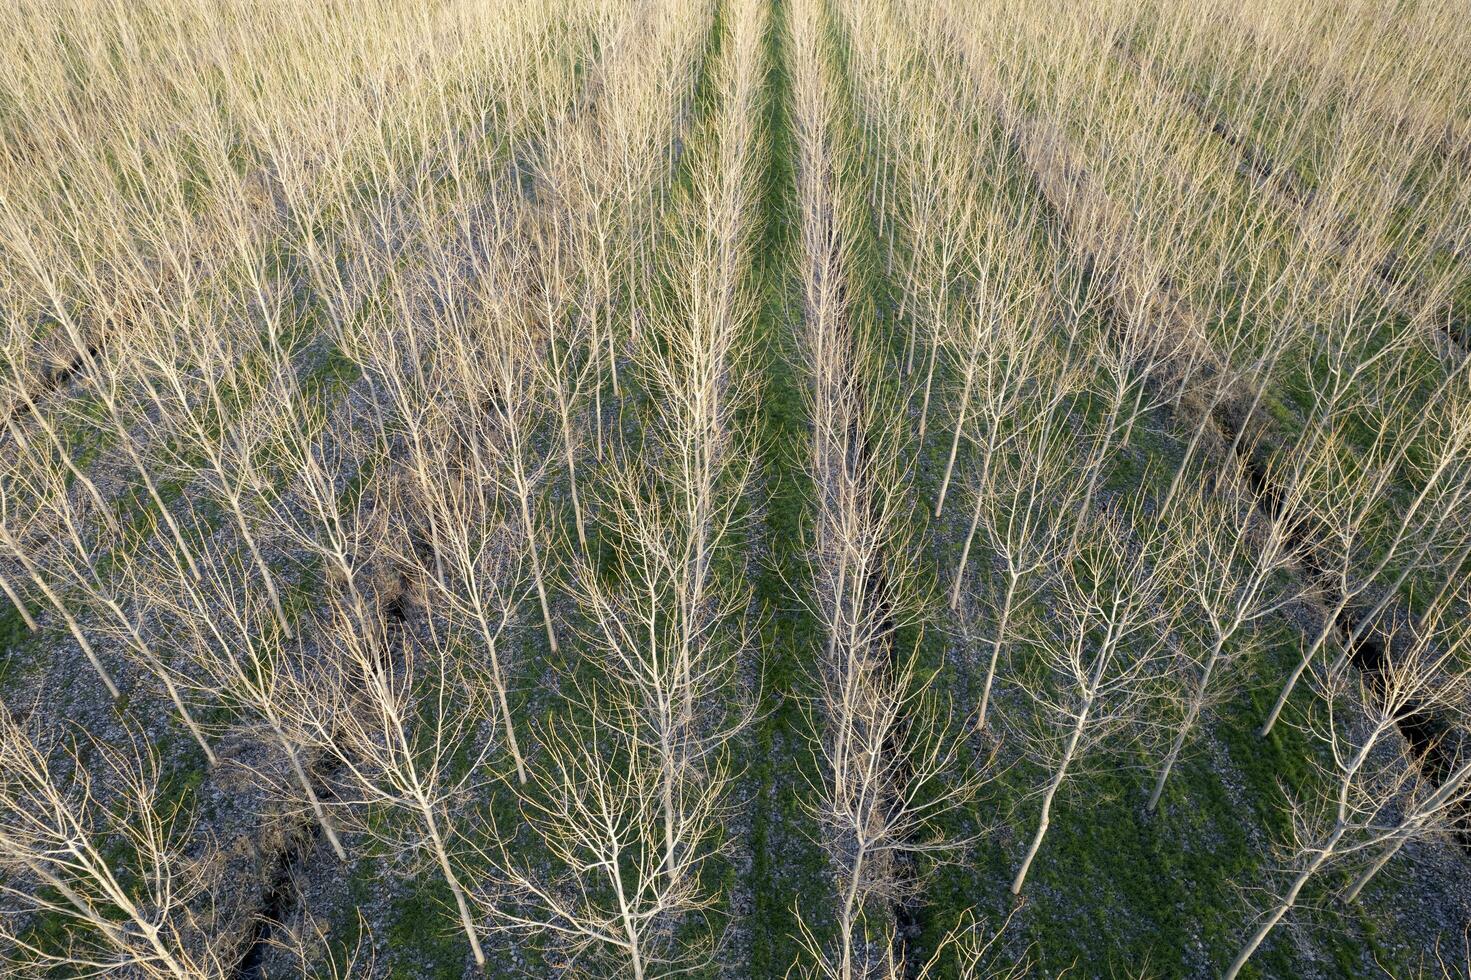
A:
784, 864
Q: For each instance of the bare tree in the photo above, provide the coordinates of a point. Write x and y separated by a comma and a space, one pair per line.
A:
475, 578
1347, 485
1366, 770
1019, 512
1235, 569
398, 719
68, 810
969, 951
493, 362
605, 892
191, 378
238, 656
998, 353
1097, 663
54, 546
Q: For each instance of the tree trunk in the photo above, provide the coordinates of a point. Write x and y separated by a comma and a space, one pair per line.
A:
1283, 907
260, 565
536, 573
1191, 717
1438, 799
306, 786
1046, 820
954, 448
20, 607
572, 483
996, 650
511, 742
970, 536
929, 380
153, 494
1302, 666
453, 881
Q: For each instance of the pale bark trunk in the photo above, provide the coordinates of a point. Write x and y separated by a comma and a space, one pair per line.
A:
1302, 666
511, 742
170, 961
1452, 783
453, 881
668, 795
536, 572
1191, 717
954, 447
572, 483
20, 607
148, 655
996, 649
306, 786
635, 956
76, 631
970, 536
72, 625
1046, 819
929, 380
104, 512
265, 572
608, 332
153, 495
1288, 901
850, 902
1174, 486
1374, 868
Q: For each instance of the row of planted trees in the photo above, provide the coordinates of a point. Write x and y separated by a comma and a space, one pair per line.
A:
404, 471
1059, 253
346, 527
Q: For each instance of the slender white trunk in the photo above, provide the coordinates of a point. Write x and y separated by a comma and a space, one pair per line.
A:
572, 482
1046, 818
1188, 725
164, 954
597, 413
1374, 868
103, 511
1174, 487
954, 447
970, 536
1406, 829
20, 607
850, 914
608, 330
453, 881
635, 955
162, 672
76, 631
260, 566
536, 571
996, 648
1302, 666
511, 743
1283, 907
72, 625
1095, 472
153, 494
188, 717
929, 380
306, 787
667, 791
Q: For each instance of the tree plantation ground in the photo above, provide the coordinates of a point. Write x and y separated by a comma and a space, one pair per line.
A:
731, 488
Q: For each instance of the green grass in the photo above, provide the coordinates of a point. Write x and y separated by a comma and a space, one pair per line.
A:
783, 857
1113, 888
